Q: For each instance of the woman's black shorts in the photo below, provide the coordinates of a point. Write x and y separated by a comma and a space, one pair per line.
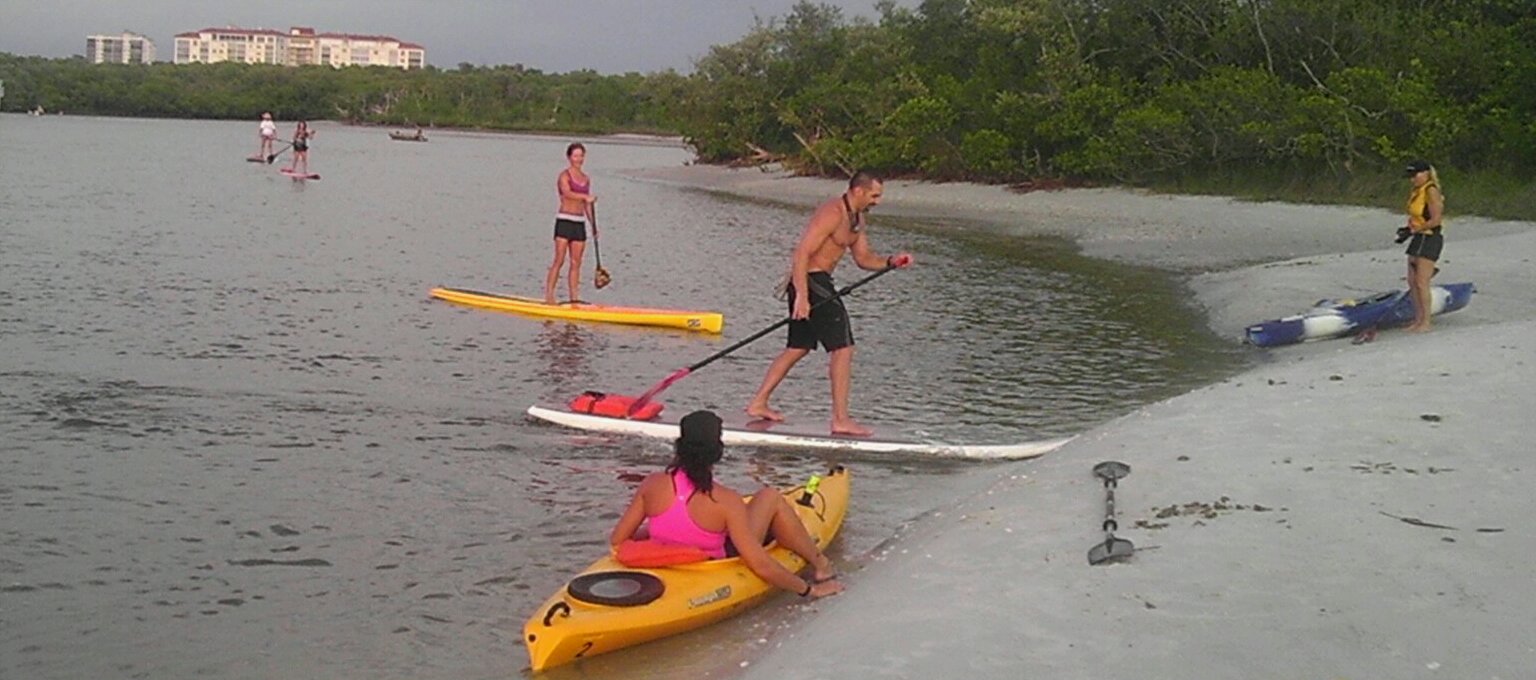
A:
570, 230
1426, 246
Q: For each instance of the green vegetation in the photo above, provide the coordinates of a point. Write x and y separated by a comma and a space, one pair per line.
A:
503, 97
1303, 100
1311, 100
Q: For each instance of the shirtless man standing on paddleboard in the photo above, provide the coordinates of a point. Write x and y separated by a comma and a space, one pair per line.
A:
837, 227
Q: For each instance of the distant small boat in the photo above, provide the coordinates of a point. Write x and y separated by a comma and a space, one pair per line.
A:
408, 136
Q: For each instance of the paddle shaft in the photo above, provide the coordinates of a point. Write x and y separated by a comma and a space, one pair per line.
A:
273, 156
785, 321
596, 251
1385, 310
682, 373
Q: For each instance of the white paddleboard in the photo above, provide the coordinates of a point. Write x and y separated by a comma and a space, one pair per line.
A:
740, 431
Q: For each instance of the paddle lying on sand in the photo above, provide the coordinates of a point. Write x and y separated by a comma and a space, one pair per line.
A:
601, 278
1112, 548
636, 406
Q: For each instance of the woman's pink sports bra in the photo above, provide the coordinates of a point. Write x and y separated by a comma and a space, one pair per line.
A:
674, 525
578, 186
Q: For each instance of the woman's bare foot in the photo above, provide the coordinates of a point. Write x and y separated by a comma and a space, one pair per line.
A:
761, 411
825, 589
850, 427
824, 569
1418, 329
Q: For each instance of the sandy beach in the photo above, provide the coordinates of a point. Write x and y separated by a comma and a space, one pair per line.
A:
1340, 511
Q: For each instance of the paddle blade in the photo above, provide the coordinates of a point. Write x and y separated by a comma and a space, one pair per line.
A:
640, 404
1111, 470
602, 278
1112, 549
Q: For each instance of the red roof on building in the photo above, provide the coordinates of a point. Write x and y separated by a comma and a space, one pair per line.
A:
301, 31
360, 36
231, 30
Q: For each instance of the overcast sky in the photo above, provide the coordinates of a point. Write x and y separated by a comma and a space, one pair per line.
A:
609, 36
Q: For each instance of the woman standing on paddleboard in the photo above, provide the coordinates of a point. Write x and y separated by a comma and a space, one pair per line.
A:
576, 199
1426, 213
267, 130
683, 505
301, 137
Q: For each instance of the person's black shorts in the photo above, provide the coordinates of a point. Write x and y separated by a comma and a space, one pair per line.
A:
1426, 246
571, 230
828, 324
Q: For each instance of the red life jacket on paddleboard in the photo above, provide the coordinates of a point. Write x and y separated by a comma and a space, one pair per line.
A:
612, 406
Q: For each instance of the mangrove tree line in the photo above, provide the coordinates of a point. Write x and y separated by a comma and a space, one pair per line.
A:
1127, 90
501, 97
1112, 91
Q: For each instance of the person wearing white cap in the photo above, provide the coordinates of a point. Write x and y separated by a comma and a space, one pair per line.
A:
268, 135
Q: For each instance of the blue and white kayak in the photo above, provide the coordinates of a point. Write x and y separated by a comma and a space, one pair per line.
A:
1335, 318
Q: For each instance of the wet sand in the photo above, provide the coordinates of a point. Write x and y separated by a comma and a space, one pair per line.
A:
1340, 511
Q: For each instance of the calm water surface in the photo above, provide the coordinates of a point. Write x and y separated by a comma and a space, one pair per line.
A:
238, 440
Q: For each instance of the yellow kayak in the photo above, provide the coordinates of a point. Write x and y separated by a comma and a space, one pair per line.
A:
608, 613
707, 322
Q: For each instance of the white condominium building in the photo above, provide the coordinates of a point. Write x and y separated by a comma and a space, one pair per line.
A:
126, 48
300, 46
213, 45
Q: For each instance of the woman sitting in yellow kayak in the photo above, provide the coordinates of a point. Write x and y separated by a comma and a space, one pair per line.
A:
685, 506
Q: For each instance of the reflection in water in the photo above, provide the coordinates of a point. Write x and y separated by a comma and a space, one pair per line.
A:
564, 352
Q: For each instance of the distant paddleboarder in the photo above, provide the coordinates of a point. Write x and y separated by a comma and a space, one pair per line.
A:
576, 199
837, 227
301, 136
268, 134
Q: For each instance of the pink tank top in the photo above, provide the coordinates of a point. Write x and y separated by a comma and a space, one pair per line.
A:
674, 525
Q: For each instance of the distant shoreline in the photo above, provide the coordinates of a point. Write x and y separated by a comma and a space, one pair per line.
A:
636, 138
1189, 236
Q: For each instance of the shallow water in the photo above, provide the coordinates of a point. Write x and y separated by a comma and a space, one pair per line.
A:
240, 441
